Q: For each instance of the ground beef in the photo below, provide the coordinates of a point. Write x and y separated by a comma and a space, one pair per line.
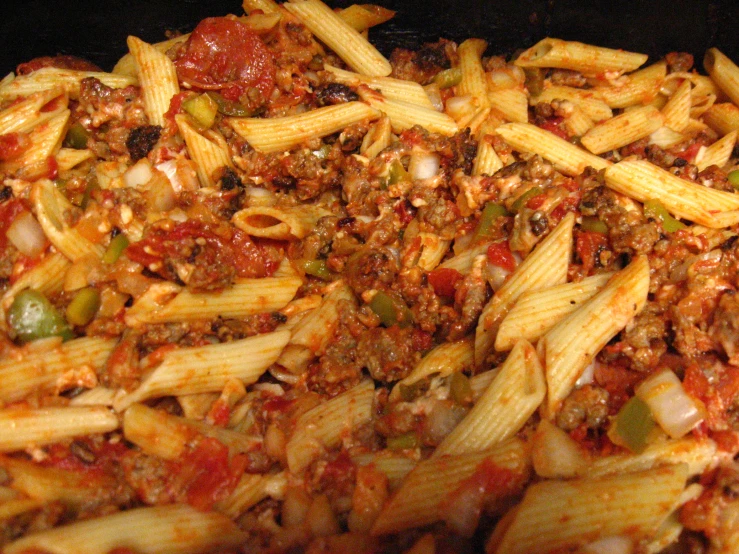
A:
423, 65
388, 354
587, 405
725, 326
567, 78
334, 93
716, 178
141, 140
643, 340
679, 61
371, 269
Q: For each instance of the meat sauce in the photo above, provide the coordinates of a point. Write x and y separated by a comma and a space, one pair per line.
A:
415, 256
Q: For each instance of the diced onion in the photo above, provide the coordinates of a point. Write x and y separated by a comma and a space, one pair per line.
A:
555, 454
458, 106
423, 165
674, 410
27, 235
138, 174
587, 375
434, 95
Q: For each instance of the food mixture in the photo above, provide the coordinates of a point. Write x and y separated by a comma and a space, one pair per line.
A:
264, 290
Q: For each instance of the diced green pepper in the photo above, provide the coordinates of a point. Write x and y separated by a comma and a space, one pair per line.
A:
459, 388
397, 173
229, 107
634, 423
116, 247
402, 442
203, 108
734, 178
32, 316
448, 77
77, 137
83, 306
389, 312
594, 225
490, 213
317, 268
656, 210
408, 393
522, 200
91, 187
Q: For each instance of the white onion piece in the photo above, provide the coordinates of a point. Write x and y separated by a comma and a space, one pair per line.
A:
587, 375
432, 91
610, 545
423, 165
674, 410
138, 174
462, 509
27, 235
555, 454
458, 106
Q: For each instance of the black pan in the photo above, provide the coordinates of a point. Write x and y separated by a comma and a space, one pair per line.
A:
97, 29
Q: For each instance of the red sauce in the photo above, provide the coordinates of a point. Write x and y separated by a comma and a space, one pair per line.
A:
444, 280
499, 253
13, 145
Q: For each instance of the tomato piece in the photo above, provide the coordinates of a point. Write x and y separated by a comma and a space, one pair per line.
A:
60, 61
500, 254
8, 212
218, 253
589, 246
207, 474
553, 126
222, 53
12, 145
444, 280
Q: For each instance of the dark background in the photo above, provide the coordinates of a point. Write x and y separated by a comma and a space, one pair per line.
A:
97, 30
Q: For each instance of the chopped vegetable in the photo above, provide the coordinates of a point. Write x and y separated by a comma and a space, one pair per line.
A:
389, 311
459, 388
444, 280
317, 268
490, 213
77, 137
116, 247
229, 107
202, 108
27, 235
522, 200
397, 173
83, 307
634, 423
656, 210
734, 178
594, 225
403, 442
448, 77
675, 411
32, 316
499, 253
408, 393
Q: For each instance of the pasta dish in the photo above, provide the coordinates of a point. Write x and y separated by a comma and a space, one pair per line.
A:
263, 289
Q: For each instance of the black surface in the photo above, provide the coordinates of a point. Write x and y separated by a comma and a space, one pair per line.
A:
97, 30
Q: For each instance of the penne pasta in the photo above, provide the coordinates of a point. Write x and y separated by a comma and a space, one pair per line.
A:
718, 153
551, 52
511, 398
566, 157
282, 133
279, 224
171, 529
623, 129
209, 156
157, 76
28, 427
50, 78
338, 35
722, 118
391, 88
641, 180
588, 100
571, 345
244, 359
404, 115
571, 514
641, 87
537, 311
545, 266
723, 72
